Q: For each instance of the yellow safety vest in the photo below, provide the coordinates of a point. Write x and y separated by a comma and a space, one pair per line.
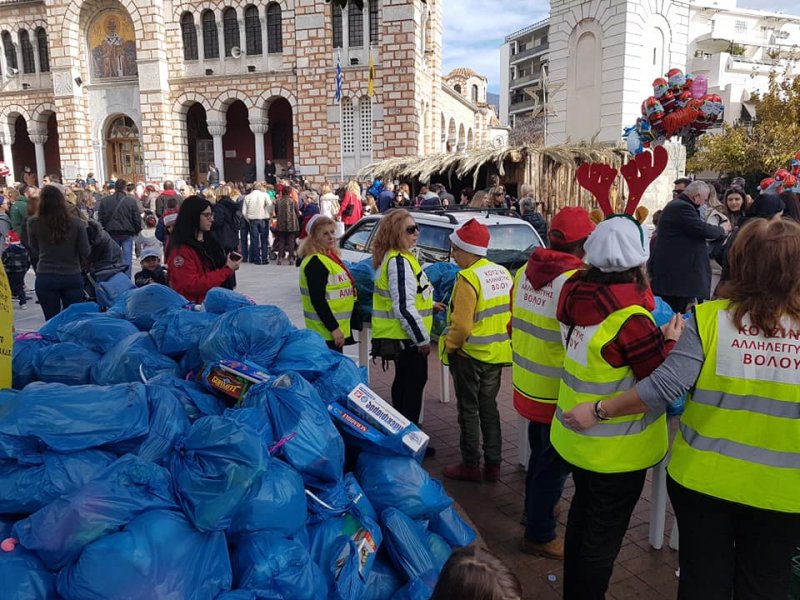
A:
384, 323
739, 437
536, 338
489, 342
620, 444
339, 293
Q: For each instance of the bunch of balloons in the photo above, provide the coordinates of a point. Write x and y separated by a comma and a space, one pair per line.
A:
680, 106
783, 179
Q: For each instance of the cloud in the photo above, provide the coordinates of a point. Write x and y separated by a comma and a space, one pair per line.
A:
473, 31
786, 6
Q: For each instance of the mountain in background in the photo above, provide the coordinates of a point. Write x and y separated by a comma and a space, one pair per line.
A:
494, 100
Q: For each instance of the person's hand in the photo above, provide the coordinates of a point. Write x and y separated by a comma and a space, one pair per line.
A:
425, 349
439, 307
726, 226
338, 337
581, 417
233, 265
674, 328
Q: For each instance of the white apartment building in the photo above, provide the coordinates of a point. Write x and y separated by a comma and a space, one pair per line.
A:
524, 53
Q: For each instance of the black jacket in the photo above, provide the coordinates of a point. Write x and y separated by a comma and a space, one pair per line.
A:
166, 202
249, 173
119, 215
225, 225
538, 223
680, 262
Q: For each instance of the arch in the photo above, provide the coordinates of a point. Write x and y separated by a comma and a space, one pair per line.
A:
197, 7
470, 139
457, 87
462, 137
210, 34
42, 113
110, 42
124, 155
474, 93
584, 96
185, 101
277, 92
9, 51
228, 97
655, 53
443, 127
189, 36
230, 30
80, 11
10, 114
252, 31
274, 28
280, 139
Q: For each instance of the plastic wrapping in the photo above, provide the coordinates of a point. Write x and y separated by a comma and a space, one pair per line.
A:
26, 347
168, 422
408, 545
74, 312
196, 401
145, 305
131, 359
340, 379
99, 333
24, 577
177, 332
452, 528
335, 499
364, 275
306, 353
383, 582
67, 363
221, 300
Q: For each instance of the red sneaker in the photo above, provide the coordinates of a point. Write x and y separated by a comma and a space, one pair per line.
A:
491, 473
462, 472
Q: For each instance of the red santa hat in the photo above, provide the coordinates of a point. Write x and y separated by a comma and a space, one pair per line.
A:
12, 237
472, 237
170, 217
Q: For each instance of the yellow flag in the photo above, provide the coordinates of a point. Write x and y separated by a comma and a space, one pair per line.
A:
6, 329
371, 84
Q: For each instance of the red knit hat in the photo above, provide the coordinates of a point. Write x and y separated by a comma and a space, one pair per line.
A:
471, 237
12, 237
570, 225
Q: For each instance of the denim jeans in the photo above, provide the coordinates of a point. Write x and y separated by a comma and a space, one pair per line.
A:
244, 235
259, 240
126, 243
56, 292
547, 472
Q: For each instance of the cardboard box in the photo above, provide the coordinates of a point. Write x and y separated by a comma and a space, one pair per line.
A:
233, 378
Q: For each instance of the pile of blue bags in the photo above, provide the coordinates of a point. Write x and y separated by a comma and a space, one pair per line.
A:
123, 476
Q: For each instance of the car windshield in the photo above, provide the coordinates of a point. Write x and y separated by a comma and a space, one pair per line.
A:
511, 244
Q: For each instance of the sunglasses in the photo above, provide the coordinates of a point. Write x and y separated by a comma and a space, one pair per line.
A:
412, 229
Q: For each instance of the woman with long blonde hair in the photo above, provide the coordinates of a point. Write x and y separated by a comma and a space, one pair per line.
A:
326, 286
351, 209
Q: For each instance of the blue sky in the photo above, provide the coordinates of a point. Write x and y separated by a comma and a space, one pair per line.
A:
473, 30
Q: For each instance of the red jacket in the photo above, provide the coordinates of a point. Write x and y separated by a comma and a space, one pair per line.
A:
351, 199
190, 276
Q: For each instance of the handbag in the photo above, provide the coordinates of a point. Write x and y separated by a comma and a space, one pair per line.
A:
386, 349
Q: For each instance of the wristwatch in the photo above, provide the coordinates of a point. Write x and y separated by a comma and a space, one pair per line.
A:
600, 412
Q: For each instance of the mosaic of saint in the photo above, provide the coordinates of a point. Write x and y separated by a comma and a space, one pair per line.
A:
112, 45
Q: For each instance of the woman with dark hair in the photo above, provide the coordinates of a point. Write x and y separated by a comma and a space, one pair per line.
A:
227, 221
466, 196
791, 206
61, 244
733, 475
196, 260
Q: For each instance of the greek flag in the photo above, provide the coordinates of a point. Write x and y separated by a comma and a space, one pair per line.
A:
339, 79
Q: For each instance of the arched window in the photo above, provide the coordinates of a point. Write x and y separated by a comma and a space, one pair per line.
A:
374, 24
44, 52
274, 34
252, 30
336, 20
230, 30
210, 36
355, 25
189, 33
457, 87
28, 63
474, 93
10, 51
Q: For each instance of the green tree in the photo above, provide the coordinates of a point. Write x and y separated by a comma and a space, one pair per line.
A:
756, 149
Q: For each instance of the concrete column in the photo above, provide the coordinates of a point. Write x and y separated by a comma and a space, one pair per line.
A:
35, 43
18, 49
7, 140
217, 130
38, 140
259, 127
262, 17
201, 46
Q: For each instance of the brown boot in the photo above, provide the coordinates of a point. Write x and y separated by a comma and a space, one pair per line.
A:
491, 473
462, 472
553, 549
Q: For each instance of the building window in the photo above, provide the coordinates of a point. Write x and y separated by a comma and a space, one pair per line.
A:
740, 26
365, 110
28, 63
274, 34
355, 25
252, 30
210, 36
44, 54
374, 22
230, 30
457, 87
336, 20
348, 129
475, 93
189, 33
10, 51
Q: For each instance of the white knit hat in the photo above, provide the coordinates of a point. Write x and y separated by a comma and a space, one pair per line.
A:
617, 244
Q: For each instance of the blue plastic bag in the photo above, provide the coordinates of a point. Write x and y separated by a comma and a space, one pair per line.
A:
66, 418
24, 577
145, 305
383, 582
306, 353
662, 313
277, 569
131, 359
66, 363
221, 300
99, 333
214, 465
158, 555
364, 275
238, 595
442, 276
294, 407
168, 422
254, 333
25, 489
255, 418
190, 364
125, 489
74, 312
276, 502
177, 332
419, 588
337, 382
196, 401
336, 499
408, 545
26, 347
401, 483
452, 528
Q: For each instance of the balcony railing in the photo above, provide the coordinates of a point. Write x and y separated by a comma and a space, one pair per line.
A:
520, 81
527, 53
522, 105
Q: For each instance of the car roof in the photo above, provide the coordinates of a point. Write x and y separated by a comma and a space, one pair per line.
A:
459, 217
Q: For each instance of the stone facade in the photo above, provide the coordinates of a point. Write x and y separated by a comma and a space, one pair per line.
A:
243, 55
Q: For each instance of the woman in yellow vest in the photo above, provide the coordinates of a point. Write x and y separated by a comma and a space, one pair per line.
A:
326, 286
402, 310
734, 474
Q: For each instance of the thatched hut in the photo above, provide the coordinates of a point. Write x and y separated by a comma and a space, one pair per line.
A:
550, 170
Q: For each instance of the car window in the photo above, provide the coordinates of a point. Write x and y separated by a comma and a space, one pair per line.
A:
511, 244
357, 239
433, 243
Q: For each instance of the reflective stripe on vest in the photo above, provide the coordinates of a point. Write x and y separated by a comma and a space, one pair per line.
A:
739, 438
339, 293
620, 444
384, 323
489, 342
536, 338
